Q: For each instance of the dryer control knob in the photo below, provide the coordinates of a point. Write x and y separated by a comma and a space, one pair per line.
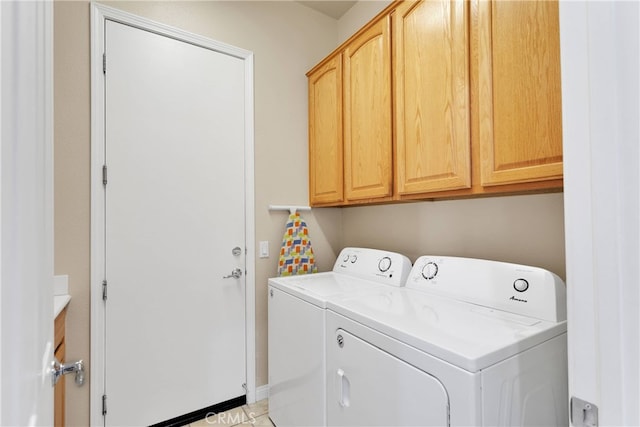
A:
354, 258
430, 270
384, 264
521, 285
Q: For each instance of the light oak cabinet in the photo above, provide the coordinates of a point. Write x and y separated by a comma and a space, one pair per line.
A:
350, 133
326, 183
368, 168
461, 100
431, 89
59, 390
519, 103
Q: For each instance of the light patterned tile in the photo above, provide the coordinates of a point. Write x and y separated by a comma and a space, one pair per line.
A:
263, 421
261, 407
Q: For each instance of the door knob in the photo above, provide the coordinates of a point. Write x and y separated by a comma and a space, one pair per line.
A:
59, 369
236, 274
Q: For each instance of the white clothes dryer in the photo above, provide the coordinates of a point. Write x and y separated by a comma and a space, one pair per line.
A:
465, 343
297, 313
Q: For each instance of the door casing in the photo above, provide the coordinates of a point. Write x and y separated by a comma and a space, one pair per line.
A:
26, 213
99, 14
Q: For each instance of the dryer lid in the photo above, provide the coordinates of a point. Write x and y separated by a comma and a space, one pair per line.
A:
355, 270
466, 335
318, 288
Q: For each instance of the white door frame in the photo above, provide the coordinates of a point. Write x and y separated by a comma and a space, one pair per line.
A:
99, 14
599, 47
26, 217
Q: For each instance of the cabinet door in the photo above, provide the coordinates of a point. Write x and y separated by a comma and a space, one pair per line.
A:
519, 103
60, 354
431, 90
59, 392
367, 113
325, 133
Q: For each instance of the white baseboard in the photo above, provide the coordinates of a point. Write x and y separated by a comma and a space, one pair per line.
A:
262, 392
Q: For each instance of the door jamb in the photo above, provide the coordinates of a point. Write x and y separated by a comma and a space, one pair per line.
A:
99, 15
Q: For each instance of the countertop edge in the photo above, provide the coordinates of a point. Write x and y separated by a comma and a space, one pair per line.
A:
59, 303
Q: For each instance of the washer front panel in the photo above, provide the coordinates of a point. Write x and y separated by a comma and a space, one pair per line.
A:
462, 388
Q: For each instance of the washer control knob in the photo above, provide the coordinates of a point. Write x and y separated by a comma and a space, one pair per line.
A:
430, 270
346, 258
384, 264
354, 258
521, 285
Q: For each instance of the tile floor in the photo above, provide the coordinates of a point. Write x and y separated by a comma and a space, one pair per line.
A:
253, 414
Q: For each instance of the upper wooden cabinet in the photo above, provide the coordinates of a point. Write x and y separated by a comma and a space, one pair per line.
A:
431, 90
519, 95
462, 99
350, 133
325, 133
368, 168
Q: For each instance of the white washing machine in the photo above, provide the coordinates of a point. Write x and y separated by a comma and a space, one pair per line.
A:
297, 363
465, 343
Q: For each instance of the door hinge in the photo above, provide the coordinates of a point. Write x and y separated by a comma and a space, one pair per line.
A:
104, 290
104, 405
104, 175
583, 413
104, 63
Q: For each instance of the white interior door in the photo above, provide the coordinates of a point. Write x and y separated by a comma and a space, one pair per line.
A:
175, 328
600, 102
26, 218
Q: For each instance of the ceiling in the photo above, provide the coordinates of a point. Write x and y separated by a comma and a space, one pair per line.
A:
332, 8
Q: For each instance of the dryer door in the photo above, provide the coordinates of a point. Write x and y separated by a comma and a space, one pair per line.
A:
370, 387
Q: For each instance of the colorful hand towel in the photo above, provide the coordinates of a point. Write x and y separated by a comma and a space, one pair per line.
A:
296, 254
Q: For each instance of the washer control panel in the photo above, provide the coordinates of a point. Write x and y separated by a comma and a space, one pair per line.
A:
386, 267
520, 289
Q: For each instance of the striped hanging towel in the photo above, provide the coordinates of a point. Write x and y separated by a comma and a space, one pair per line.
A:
296, 254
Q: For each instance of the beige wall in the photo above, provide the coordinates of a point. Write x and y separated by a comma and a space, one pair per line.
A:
520, 229
71, 186
287, 40
358, 15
